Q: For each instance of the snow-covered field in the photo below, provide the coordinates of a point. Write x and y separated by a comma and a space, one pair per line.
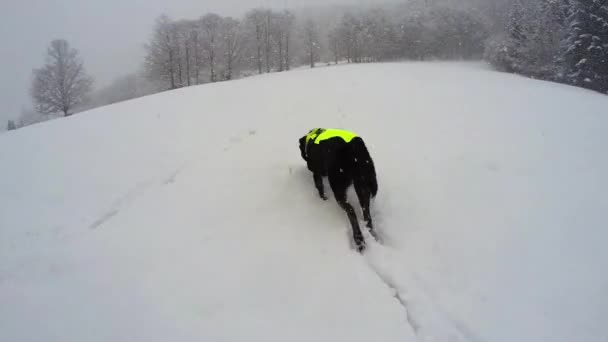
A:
189, 215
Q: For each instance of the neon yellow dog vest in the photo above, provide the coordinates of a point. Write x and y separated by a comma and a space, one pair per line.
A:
320, 134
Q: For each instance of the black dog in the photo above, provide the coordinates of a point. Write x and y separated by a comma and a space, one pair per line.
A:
344, 159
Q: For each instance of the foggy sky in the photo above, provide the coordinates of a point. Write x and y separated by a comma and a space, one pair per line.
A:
108, 33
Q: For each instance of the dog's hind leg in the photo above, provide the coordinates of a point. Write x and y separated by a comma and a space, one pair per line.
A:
352, 217
339, 184
364, 196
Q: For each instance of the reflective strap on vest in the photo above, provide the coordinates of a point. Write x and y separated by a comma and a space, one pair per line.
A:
333, 133
313, 134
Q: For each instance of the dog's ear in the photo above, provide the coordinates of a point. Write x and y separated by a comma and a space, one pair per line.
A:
303, 147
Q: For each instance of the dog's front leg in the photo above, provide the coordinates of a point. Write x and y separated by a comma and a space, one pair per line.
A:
319, 184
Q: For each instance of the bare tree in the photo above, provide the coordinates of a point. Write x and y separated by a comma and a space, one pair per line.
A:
210, 25
281, 27
231, 44
184, 33
268, 21
288, 21
277, 33
351, 37
311, 41
334, 43
197, 52
10, 126
162, 53
62, 83
255, 20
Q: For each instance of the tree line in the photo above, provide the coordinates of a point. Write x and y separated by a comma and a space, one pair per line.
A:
214, 48
558, 40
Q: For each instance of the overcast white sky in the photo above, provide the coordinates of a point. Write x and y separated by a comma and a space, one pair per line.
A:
108, 33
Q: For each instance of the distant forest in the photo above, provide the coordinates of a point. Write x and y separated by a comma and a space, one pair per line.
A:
563, 41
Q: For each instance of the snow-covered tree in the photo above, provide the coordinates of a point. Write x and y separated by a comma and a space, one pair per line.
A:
546, 41
520, 29
586, 54
531, 44
62, 83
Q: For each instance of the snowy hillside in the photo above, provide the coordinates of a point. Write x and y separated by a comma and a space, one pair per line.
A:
189, 215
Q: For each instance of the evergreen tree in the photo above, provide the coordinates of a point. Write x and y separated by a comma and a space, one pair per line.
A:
587, 45
545, 41
520, 30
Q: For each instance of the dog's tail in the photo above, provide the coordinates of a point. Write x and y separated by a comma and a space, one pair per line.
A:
364, 165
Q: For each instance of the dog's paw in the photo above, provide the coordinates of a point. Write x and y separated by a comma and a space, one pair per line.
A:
323, 197
359, 244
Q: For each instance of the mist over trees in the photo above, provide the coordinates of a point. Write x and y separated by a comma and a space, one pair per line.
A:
557, 40
215, 48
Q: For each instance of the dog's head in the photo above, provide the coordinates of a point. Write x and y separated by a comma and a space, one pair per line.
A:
311, 135
303, 148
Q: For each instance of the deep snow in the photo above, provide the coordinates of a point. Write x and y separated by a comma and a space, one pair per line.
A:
189, 216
